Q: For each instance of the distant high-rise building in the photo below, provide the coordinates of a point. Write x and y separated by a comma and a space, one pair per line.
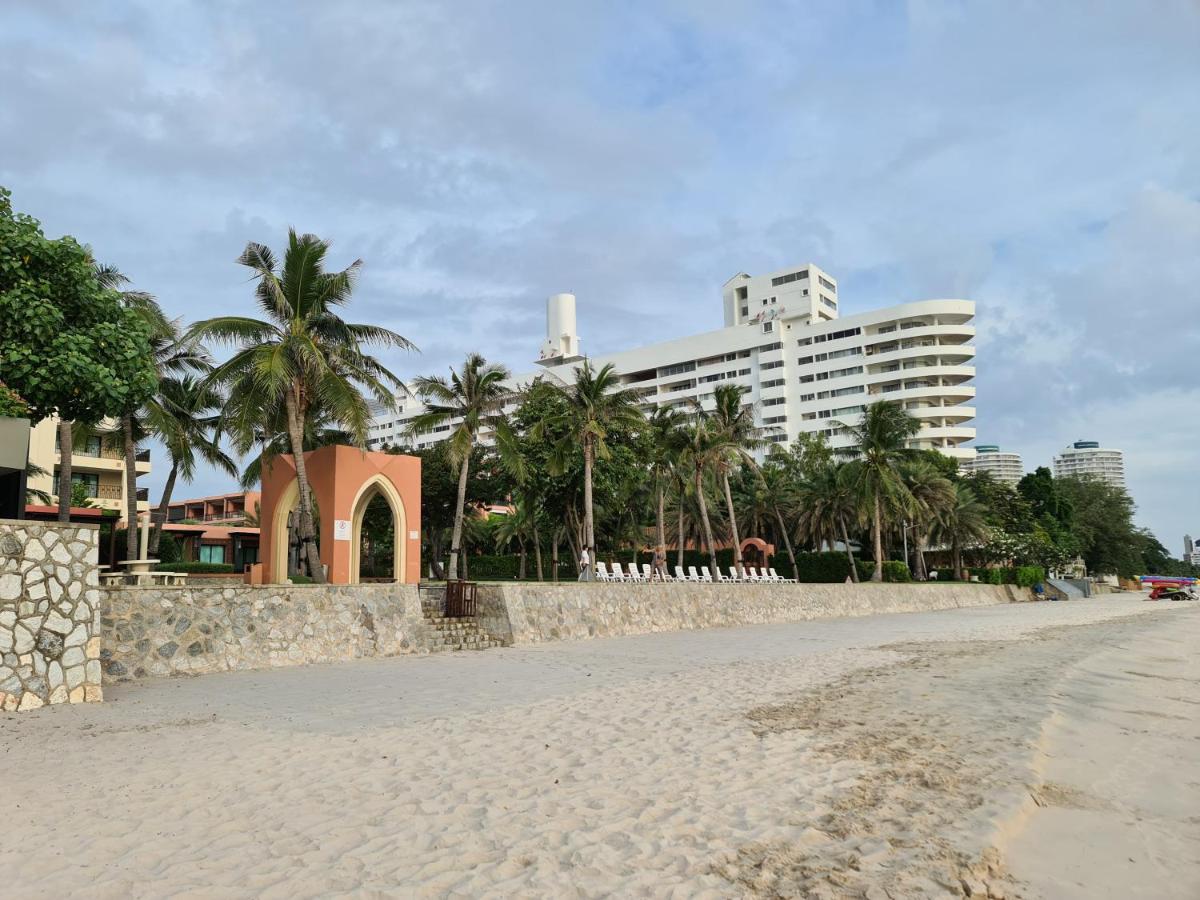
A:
1002, 465
1087, 459
1188, 546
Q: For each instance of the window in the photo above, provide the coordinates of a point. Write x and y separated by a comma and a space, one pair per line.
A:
676, 369
745, 311
743, 371
776, 438
806, 379
774, 382
773, 420
789, 278
845, 392
89, 446
804, 398
774, 401
827, 284
773, 365
803, 342
90, 481
828, 302
212, 553
767, 348
804, 360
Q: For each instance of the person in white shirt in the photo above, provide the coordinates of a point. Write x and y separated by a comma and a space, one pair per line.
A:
585, 565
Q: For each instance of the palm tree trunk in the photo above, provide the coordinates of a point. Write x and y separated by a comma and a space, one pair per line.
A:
662, 534
131, 510
537, 549
521, 567
66, 443
159, 516
922, 574
554, 537
459, 510
708, 536
589, 530
679, 547
877, 529
306, 528
849, 552
787, 542
737, 543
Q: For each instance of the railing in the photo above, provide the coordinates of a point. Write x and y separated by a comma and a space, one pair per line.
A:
461, 599
109, 492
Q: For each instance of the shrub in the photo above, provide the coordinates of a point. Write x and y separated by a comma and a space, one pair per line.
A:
197, 568
1028, 576
865, 568
896, 571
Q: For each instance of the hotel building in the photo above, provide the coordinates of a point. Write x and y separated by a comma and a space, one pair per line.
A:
97, 462
805, 368
1087, 459
1002, 465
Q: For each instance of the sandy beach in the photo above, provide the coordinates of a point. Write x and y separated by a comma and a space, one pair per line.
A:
1035, 750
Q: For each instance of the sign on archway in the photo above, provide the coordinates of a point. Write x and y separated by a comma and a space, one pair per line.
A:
344, 480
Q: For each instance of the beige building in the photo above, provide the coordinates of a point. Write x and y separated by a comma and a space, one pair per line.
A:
1003, 465
97, 462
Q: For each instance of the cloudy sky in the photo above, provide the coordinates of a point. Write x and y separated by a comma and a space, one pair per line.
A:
1040, 158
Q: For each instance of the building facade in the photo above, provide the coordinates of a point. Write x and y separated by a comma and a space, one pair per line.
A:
1003, 465
239, 508
97, 462
1087, 459
804, 367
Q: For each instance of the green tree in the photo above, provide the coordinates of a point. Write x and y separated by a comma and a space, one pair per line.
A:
470, 399
303, 357
704, 448
67, 345
594, 406
932, 495
183, 414
1102, 524
735, 436
879, 447
827, 504
960, 524
667, 441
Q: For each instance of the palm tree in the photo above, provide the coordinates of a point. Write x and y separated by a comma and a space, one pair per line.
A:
932, 494
827, 504
779, 494
704, 448
595, 405
879, 446
962, 522
667, 441
183, 415
735, 435
302, 358
472, 398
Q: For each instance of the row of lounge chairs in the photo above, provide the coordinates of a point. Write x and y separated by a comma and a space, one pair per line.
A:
750, 575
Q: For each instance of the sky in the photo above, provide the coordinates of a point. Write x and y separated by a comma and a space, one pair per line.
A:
1042, 159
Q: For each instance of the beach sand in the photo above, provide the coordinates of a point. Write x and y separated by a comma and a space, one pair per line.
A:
901, 755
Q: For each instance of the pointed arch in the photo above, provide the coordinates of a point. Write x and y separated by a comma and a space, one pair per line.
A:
288, 501
381, 485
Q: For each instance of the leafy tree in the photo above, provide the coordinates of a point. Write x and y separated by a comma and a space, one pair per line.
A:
932, 495
67, 345
594, 406
471, 399
704, 447
1102, 523
735, 436
827, 503
11, 404
302, 358
879, 446
667, 442
960, 524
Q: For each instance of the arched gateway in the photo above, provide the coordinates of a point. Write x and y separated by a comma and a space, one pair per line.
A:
344, 481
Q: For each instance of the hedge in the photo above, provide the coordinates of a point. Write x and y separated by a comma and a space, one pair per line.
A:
1022, 576
893, 570
198, 568
1028, 576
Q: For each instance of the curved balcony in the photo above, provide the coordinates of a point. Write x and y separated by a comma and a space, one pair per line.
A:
901, 355
955, 413
966, 332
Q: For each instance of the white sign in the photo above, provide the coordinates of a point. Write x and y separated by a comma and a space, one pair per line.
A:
412, 535
341, 529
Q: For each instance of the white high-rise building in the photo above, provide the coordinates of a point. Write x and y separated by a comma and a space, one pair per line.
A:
1003, 465
805, 368
1087, 459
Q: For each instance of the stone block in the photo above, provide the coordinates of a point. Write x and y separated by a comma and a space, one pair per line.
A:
56, 623
77, 695
93, 693
29, 700
58, 695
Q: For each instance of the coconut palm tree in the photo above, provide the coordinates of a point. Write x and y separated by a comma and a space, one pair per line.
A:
961, 523
471, 398
779, 494
301, 358
704, 448
827, 504
595, 406
183, 415
879, 446
667, 441
735, 436
932, 495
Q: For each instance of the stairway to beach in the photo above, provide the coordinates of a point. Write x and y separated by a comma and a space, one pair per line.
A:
454, 633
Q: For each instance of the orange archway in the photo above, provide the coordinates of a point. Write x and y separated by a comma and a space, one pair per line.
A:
343, 480
757, 552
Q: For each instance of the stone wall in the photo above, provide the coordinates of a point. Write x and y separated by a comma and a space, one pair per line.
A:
175, 630
529, 613
49, 614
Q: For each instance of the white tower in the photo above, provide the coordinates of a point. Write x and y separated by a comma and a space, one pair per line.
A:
562, 343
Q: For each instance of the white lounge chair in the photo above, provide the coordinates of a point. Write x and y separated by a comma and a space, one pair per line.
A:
722, 577
602, 572
733, 575
648, 573
679, 575
781, 579
693, 575
705, 575
752, 575
634, 574
618, 574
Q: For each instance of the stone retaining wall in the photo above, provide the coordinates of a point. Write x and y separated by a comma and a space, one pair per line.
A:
529, 613
175, 630
49, 614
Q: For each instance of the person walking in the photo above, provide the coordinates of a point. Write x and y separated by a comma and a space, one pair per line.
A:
660, 563
585, 565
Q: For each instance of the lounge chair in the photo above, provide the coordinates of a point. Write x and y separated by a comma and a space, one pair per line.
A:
648, 574
693, 575
781, 579
634, 574
705, 575
602, 572
679, 575
752, 575
734, 577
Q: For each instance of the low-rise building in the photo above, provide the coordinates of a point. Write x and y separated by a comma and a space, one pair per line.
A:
97, 463
237, 508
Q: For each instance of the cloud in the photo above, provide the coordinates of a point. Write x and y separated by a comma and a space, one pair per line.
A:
1038, 158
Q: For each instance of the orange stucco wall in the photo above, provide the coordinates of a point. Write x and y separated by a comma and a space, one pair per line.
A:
337, 475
